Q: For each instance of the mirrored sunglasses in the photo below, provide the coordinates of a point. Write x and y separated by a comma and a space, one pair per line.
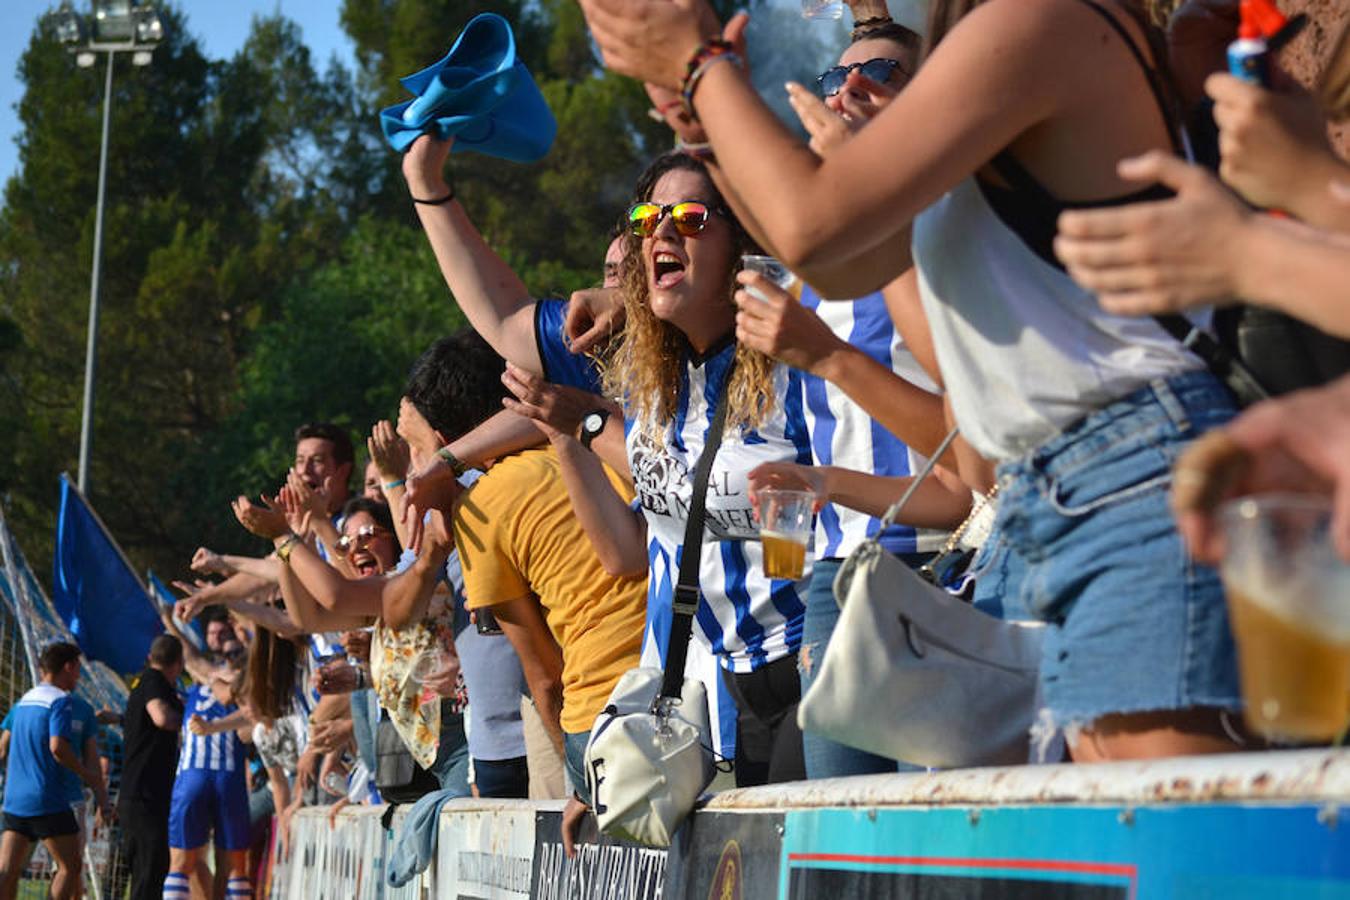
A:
832, 80
690, 217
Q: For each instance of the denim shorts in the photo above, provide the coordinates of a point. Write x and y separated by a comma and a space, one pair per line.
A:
575, 760
1085, 541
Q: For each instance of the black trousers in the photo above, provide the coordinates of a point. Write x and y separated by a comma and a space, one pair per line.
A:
768, 741
145, 841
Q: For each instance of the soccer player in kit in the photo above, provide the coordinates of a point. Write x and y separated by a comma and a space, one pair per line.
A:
43, 774
210, 793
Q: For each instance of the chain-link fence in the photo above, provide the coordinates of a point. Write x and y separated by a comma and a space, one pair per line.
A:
27, 623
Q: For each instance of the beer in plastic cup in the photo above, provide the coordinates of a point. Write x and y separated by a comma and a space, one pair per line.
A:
771, 269
785, 531
1289, 601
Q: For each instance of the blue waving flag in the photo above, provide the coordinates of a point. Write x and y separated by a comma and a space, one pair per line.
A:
96, 592
166, 598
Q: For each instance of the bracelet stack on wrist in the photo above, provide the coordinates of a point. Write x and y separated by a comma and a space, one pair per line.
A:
705, 57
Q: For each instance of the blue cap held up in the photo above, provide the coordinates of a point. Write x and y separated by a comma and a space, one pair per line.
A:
480, 94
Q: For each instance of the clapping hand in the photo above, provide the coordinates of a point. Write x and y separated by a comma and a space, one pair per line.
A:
267, 520
389, 451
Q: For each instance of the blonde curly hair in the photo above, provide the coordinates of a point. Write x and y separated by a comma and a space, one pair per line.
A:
645, 366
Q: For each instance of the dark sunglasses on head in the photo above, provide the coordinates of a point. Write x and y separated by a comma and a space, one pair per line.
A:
832, 80
690, 217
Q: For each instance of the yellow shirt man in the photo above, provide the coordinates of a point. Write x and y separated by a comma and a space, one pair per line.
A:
575, 627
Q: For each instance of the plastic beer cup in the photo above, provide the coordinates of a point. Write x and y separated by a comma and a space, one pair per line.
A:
1289, 601
785, 531
771, 269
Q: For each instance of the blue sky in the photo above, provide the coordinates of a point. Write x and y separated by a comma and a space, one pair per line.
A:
221, 27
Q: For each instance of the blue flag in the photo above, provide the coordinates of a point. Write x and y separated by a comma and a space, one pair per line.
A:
166, 598
96, 592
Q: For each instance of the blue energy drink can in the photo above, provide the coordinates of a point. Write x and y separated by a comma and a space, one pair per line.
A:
1249, 59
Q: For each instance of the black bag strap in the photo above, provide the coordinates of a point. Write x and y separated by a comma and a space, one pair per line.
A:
686, 586
1222, 363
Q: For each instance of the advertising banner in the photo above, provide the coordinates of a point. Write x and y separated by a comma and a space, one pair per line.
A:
485, 855
1075, 853
603, 869
726, 856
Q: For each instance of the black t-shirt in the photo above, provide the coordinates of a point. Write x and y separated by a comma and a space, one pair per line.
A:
149, 753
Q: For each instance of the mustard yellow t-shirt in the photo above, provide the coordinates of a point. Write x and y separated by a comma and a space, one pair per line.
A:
517, 535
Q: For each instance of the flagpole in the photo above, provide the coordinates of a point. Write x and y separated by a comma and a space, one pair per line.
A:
12, 574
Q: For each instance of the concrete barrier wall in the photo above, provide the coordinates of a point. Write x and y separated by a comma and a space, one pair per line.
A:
1255, 825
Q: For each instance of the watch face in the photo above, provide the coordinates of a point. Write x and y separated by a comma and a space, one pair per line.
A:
593, 423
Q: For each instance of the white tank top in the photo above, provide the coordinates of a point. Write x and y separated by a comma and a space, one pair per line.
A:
1024, 350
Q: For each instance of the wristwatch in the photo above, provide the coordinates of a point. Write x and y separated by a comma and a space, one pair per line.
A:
591, 425
285, 547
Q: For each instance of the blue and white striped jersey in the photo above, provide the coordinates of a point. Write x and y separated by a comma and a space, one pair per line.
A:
745, 619
842, 434
214, 752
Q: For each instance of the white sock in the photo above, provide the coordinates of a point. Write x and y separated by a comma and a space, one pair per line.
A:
176, 886
238, 889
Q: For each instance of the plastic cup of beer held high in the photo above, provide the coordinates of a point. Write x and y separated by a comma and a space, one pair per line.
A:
785, 531
1289, 600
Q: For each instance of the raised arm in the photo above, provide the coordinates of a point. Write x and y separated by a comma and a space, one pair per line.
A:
407, 595
196, 663
487, 290
1006, 68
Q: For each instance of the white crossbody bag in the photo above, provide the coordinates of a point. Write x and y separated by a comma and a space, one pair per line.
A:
650, 755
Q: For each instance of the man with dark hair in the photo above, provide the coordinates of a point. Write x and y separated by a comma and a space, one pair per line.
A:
575, 627
150, 753
44, 771
456, 384
324, 459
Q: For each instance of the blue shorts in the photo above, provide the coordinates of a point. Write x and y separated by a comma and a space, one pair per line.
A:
1085, 541
204, 800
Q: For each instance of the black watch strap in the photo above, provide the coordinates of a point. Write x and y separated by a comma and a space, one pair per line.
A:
592, 424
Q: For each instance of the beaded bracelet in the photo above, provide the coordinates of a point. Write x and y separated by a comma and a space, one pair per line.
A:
704, 57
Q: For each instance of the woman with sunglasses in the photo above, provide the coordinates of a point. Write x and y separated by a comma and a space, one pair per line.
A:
856, 364
319, 598
677, 356
1021, 108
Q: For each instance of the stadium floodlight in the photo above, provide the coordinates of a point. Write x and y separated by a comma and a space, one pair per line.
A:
116, 26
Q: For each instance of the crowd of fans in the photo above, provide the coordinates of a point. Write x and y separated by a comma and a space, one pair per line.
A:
1008, 199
